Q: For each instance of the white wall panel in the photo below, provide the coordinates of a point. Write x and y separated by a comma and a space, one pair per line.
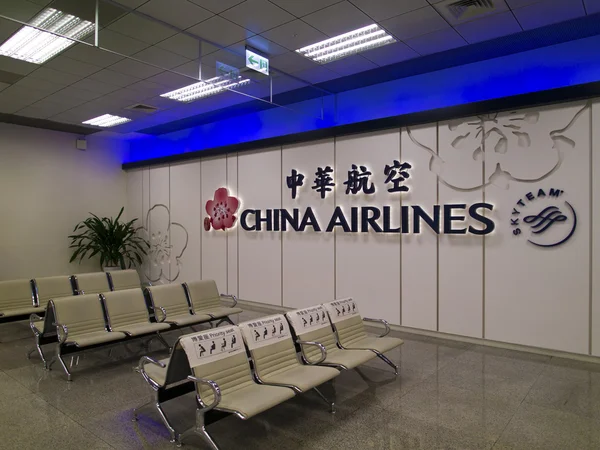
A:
368, 264
309, 256
259, 184
214, 243
595, 269
145, 268
133, 208
232, 235
186, 222
460, 166
158, 220
419, 251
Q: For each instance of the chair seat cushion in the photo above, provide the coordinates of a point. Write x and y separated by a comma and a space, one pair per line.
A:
382, 345
254, 399
139, 329
349, 358
220, 312
95, 337
188, 319
157, 373
22, 311
303, 377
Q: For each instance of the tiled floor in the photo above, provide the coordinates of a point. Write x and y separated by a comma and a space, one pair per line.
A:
448, 396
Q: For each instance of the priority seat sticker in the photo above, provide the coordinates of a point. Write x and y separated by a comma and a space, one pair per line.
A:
209, 346
341, 309
308, 319
265, 331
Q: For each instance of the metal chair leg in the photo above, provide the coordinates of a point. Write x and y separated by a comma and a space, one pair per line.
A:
329, 402
136, 411
199, 430
40, 352
163, 417
163, 341
387, 361
64, 366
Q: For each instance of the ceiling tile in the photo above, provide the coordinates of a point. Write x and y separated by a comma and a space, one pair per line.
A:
304, 7
436, 42
384, 9
140, 28
351, 64
171, 80
415, 23
161, 58
93, 55
145, 88
95, 86
113, 101
66, 100
489, 27
180, 13
55, 76
498, 7
65, 64
192, 69
294, 35
22, 10
338, 19
113, 78
217, 6
7, 29
518, 3
548, 12
40, 84
263, 45
81, 94
16, 65
120, 43
135, 68
316, 74
227, 57
4, 86
220, 31
257, 15
42, 110
292, 62
592, 6
21, 95
186, 46
390, 54
131, 3
41, 2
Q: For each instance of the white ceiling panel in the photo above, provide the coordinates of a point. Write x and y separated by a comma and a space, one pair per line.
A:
41, 2
217, 6
55, 76
142, 88
93, 55
120, 43
292, 62
294, 35
131, 3
436, 42
113, 78
316, 75
303, 7
42, 110
226, 57
592, 6
390, 54
81, 94
22, 10
260, 43
135, 68
519, 3
171, 80
7, 29
113, 101
192, 69
220, 31
19, 97
65, 64
40, 84
161, 58
257, 15
384, 9
415, 23
16, 66
140, 28
498, 7
351, 64
337, 19
65, 100
180, 13
489, 27
548, 12
185, 46
4, 86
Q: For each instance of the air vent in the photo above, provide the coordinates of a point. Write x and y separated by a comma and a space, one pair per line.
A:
142, 108
462, 10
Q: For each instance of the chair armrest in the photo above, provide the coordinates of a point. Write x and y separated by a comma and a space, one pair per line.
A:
215, 388
232, 297
34, 318
164, 314
316, 344
62, 331
387, 325
141, 367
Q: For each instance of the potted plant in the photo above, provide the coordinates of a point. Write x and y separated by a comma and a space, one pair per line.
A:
117, 243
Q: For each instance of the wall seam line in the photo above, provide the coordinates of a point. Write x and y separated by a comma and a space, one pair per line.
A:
437, 256
400, 235
281, 206
591, 254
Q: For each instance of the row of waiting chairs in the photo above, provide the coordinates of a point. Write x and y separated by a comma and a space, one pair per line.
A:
88, 321
21, 298
247, 369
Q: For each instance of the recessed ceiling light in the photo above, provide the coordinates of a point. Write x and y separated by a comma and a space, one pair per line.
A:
205, 88
347, 44
107, 120
36, 46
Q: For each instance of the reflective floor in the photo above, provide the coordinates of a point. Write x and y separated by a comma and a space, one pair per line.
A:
448, 396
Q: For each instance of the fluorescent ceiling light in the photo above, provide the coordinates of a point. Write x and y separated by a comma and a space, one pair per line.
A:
205, 88
36, 46
347, 44
107, 120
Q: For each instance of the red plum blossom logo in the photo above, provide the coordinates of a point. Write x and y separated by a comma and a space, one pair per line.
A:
221, 210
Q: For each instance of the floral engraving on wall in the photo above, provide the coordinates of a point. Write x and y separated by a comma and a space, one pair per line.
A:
507, 141
160, 232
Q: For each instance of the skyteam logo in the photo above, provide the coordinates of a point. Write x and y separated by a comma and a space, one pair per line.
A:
545, 218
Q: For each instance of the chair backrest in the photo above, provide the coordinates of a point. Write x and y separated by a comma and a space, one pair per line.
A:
218, 355
346, 320
124, 308
270, 343
15, 294
171, 297
47, 288
312, 324
123, 279
91, 283
81, 314
203, 295
178, 368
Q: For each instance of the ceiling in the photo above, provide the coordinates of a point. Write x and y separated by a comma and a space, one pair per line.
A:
146, 57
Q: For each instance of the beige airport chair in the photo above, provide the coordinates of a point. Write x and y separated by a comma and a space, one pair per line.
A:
275, 360
224, 381
80, 324
172, 300
205, 299
47, 288
123, 279
17, 301
312, 325
44, 332
351, 334
90, 283
168, 378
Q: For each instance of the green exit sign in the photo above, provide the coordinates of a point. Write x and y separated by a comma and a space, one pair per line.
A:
257, 62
